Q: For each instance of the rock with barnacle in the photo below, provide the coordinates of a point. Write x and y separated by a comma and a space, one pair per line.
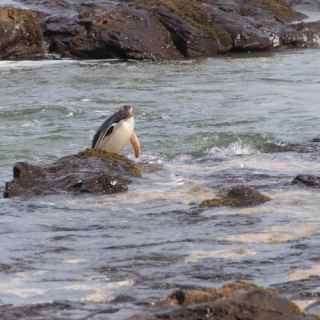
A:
237, 196
90, 171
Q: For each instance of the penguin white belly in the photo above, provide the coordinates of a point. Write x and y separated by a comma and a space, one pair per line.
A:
120, 136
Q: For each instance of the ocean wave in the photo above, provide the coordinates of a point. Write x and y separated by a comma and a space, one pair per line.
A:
30, 64
237, 148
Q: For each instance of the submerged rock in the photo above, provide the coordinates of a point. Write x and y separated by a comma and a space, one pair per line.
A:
54, 311
90, 171
20, 34
241, 301
238, 196
307, 180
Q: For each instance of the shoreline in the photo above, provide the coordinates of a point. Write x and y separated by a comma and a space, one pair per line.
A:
117, 30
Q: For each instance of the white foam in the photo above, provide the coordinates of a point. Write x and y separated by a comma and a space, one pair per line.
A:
103, 294
237, 148
275, 235
27, 64
20, 285
225, 254
99, 295
73, 260
303, 304
304, 273
184, 192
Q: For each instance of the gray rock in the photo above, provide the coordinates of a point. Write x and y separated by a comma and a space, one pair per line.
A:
86, 172
307, 180
155, 29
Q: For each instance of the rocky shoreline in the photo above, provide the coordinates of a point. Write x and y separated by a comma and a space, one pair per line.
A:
156, 30
239, 300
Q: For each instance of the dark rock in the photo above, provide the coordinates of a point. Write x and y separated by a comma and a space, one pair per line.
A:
20, 34
241, 301
86, 172
302, 35
245, 35
153, 29
54, 311
116, 32
307, 180
302, 289
238, 196
9, 312
192, 29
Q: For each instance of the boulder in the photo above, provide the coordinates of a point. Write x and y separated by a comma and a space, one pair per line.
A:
193, 31
302, 35
89, 171
20, 34
115, 31
150, 29
307, 180
241, 301
237, 196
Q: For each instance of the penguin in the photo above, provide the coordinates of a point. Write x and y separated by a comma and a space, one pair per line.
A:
117, 132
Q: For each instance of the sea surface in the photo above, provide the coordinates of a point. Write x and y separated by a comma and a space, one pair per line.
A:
206, 125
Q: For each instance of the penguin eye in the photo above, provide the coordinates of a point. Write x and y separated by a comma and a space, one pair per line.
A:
109, 131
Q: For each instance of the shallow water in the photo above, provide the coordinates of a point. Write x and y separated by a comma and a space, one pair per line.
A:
209, 124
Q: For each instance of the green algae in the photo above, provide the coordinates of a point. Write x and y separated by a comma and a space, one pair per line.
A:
279, 8
239, 196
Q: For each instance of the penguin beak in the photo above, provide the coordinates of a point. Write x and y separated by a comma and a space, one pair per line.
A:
134, 140
130, 112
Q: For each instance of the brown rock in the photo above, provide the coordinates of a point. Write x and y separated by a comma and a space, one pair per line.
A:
114, 32
20, 34
193, 31
150, 29
86, 172
237, 301
238, 196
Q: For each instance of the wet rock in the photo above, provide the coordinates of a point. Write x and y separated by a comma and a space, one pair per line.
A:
54, 311
302, 289
241, 301
307, 180
20, 34
86, 172
192, 29
115, 31
238, 196
302, 35
157, 29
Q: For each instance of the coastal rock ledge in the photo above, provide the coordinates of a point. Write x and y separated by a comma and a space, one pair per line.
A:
149, 29
89, 171
235, 301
